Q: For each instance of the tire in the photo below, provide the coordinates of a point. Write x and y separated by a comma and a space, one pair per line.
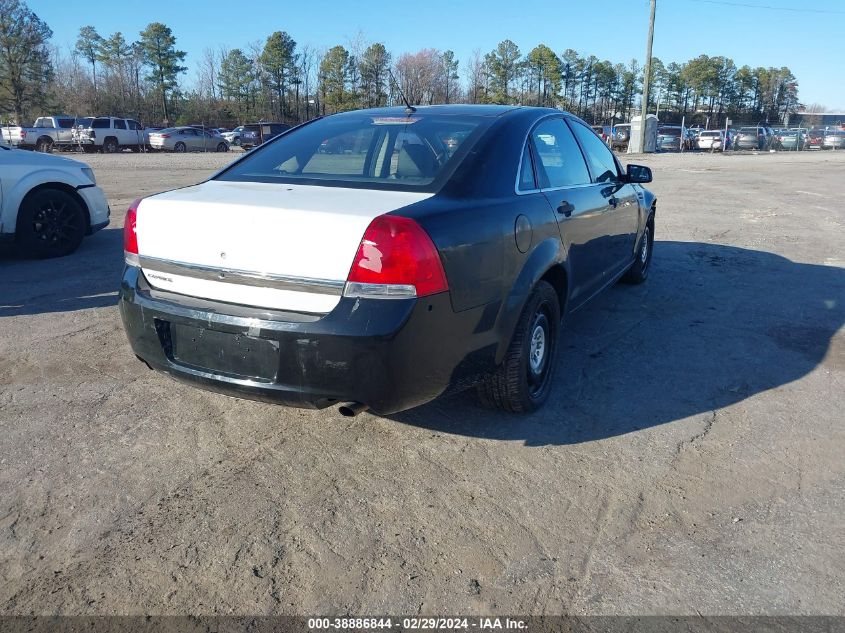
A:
110, 146
222, 147
44, 145
522, 383
51, 223
135, 149
180, 147
638, 272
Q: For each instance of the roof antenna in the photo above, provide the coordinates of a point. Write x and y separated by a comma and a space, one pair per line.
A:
409, 109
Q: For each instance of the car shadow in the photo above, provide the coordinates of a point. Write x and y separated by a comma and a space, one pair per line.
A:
87, 278
712, 326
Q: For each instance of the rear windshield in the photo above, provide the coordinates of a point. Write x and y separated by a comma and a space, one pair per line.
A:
749, 130
709, 134
669, 131
406, 153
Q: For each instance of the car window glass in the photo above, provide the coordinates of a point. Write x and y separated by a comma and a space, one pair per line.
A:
343, 154
599, 157
560, 163
526, 171
66, 124
119, 124
391, 152
134, 125
101, 124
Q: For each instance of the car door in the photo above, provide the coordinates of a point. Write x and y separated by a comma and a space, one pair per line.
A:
620, 213
120, 132
565, 182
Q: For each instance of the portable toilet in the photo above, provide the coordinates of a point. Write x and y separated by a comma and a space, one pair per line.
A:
650, 144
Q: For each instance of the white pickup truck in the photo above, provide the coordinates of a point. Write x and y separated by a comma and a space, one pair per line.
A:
110, 134
49, 132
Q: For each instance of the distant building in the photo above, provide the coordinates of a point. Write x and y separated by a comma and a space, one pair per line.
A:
817, 119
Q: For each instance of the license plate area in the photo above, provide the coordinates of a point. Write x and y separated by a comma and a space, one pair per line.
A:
229, 354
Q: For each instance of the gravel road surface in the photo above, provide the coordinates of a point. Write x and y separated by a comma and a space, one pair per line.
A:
691, 459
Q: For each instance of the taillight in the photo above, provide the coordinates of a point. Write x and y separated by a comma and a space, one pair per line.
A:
396, 259
23, 133
130, 235
165, 135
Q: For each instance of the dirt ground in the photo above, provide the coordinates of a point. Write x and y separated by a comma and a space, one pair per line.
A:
690, 460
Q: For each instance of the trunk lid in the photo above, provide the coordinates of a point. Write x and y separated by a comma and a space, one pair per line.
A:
278, 246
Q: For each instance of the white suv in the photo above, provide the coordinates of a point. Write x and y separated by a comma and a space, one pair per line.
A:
111, 134
48, 203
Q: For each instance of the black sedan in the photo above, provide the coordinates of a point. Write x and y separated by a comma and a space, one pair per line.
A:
439, 250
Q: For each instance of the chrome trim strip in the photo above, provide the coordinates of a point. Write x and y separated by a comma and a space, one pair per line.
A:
244, 277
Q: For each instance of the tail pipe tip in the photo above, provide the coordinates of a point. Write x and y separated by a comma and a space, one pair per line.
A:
351, 409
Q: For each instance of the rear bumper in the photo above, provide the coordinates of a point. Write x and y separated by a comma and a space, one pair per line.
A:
388, 354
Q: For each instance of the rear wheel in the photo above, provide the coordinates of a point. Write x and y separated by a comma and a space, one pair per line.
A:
110, 146
222, 147
44, 145
179, 147
51, 223
638, 272
522, 382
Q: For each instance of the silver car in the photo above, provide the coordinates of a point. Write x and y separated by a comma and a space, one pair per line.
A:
793, 140
187, 139
834, 139
233, 137
714, 140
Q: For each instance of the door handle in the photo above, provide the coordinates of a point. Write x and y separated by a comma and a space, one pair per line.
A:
565, 208
612, 201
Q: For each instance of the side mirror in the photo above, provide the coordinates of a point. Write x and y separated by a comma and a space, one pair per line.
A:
638, 174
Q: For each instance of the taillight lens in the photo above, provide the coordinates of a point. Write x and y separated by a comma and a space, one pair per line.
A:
130, 235
23, 133
396, 259
165, 135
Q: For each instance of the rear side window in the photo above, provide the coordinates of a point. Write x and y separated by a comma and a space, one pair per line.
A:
101, 124
600, 159
527, 182
65, 124
119, 124
133, 125
560, 163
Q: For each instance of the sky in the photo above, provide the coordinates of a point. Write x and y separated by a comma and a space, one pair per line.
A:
804, 35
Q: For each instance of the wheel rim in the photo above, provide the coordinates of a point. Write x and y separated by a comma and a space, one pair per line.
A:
180, 147
644, 249
55, 224
539, 351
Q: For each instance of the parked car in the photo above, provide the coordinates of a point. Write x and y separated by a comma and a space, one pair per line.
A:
233, 137
758, 138
713, 140
793, 140
386, 279
187, 139
815, 138
48, 203
254, 134
673, 138
47, 133
834, 139
110, 134
621, 137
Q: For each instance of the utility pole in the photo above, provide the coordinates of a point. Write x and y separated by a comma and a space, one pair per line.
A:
646, 77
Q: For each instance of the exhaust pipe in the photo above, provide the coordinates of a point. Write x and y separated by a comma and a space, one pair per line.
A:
351, 409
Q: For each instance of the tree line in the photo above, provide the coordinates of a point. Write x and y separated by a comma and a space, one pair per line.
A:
279, 79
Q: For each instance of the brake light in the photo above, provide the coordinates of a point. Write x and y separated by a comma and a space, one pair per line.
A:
130, 235
396, 259
164, 135
23, 133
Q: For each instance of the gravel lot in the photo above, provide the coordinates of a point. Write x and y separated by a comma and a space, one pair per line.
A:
690, 460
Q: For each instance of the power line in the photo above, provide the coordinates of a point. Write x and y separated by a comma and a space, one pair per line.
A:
769, 7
